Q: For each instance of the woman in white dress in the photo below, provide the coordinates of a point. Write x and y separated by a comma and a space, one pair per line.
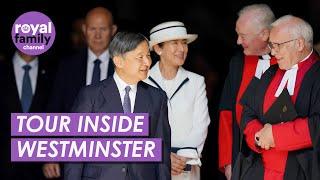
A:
187, 101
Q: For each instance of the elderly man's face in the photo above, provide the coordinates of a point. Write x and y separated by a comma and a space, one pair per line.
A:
134, 65
98, 30
250, 37
283, 47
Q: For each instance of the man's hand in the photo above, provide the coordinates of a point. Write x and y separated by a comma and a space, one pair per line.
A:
264, 137
178, 163
228, 171
51, 170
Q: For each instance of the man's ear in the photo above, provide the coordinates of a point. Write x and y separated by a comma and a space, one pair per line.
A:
265, 34
114, 29
301, 44
84, 28
157, 49
118, 61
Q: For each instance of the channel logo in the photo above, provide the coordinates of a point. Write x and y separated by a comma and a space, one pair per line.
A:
33, 33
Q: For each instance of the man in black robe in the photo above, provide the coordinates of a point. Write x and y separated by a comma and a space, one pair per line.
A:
290, 148
252, 28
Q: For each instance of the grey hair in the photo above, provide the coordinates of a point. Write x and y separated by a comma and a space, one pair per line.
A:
263, 14
300, 29
124, 42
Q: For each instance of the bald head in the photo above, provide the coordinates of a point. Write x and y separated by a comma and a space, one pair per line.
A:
99, 29
99, 11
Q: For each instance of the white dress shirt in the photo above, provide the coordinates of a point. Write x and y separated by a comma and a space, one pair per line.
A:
104, 65
121, 87
18, 64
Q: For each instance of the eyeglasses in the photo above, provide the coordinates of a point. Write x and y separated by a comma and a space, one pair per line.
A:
276, 46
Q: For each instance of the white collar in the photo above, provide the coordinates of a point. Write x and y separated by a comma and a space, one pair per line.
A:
263, 65
155, 73
17, 59
289, 78
265, 57
307, 57
122, 85
103, 57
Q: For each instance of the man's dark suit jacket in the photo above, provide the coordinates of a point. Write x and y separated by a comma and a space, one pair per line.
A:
9, 103
105, 97
70, 78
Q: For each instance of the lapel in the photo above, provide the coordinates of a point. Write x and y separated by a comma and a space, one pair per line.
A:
113, 101
237, 79
112, 96
141, 103
302, 105
40, 91
155, 76
180, 79
110, 68
263, 86
12, 93
80, 69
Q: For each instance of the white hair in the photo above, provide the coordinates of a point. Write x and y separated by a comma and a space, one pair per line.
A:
300, 28
263, 14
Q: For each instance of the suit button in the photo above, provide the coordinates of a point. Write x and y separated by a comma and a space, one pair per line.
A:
123, 169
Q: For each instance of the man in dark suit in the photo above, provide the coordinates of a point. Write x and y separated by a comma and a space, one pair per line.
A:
86, 67
25, 88
125, 92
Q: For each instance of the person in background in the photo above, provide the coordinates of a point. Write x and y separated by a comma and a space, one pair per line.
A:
26, 83
253, 28
88, 66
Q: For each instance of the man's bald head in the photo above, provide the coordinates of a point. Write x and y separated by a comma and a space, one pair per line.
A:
99, 11
99, 29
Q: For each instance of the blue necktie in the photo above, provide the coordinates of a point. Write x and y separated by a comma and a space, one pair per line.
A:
26, 95
126, 101
96, 72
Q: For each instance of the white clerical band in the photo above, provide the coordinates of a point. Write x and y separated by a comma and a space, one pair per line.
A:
262, 66
288, 79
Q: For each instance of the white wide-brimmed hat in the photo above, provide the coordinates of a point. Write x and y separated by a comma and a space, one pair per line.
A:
168, 31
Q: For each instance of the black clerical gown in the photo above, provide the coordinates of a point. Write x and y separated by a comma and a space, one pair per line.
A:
241, 71
300, 163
